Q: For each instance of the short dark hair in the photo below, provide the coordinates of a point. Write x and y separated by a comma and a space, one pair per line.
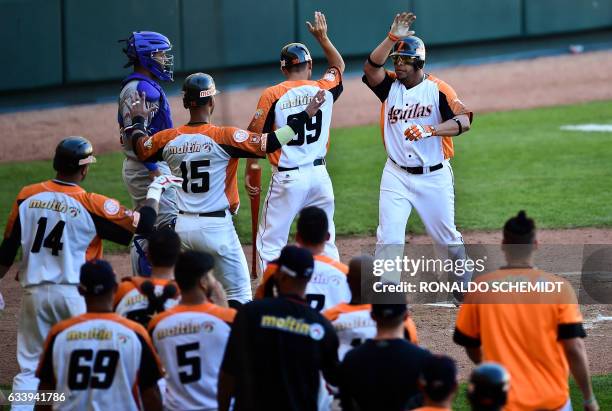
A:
312, 225
519, 229
439, 376
164, 247
297, 68
190, 267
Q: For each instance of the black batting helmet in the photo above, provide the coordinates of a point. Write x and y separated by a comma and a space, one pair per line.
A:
197, 90
72, 153
488, 388
410, 46
293, 54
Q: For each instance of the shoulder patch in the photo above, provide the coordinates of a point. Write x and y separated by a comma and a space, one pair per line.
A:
111, 207
258, 113
148, 144
240, 136
149, 90
330, 75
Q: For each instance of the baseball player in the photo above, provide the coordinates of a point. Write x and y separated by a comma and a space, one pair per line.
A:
352, 320
100, 360
206, 156
536, 336
59, 226
191, 337
327, 286
488, 387
148, 53
438, 384
419, 116
139, 298
299, 176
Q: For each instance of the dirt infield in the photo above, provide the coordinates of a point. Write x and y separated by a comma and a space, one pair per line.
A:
502, 86
491, 87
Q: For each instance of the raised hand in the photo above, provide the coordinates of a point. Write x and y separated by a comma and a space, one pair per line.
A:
138, 105
401, 25
316, 103
319, 29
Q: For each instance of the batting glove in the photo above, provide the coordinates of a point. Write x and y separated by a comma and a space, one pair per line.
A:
416, 132
161, 183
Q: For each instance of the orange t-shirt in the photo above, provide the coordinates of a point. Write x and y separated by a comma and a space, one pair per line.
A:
524, 336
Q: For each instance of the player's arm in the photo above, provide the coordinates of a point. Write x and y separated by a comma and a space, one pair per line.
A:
12, 238
319, 32
149, 373
238, 144
153, 97
457, 118
576, 355
373, 67
261, 123
467, 332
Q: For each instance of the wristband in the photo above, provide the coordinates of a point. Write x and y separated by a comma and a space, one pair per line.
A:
373, 64
460, 126
589, 401
393, 37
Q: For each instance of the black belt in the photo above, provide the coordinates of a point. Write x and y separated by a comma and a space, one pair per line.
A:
220, 213
317, 162
418, 170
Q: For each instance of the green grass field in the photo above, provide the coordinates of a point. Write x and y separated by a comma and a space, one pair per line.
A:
508, 161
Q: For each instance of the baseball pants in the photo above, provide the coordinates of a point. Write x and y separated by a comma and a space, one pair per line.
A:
288, 194
432, 195
217, 236
42, 307
136, 179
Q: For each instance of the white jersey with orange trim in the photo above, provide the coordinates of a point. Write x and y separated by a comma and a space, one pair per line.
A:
191, 342
430, 102
59, 226
130, 301
354, 325
327, 286
206, 157
279, 103
101, 361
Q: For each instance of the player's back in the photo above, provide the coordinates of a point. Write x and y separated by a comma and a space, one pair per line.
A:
132, 302
59, 224
100, 361
207, 166
327, 286
279, 103
354, 325
191, 341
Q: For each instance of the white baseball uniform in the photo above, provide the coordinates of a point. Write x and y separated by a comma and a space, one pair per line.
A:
100, 361
428, 185
354, 325
190, 340
206, 157
327, 286
59, 226
299, 176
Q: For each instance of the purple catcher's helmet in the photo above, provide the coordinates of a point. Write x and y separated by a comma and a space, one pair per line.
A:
140, 48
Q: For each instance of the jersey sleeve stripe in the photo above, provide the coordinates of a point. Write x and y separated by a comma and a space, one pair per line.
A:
330, 261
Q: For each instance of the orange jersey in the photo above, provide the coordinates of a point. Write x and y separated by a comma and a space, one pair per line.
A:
100, 361
354, 325
59, 226
523, 337
278, 103
206, 157
326, 288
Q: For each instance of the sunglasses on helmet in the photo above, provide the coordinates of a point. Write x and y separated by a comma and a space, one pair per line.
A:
404, 59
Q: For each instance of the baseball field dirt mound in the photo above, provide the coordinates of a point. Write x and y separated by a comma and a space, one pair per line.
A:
539, 82
434, 324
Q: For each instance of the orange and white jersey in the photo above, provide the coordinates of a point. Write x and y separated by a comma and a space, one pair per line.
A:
354, 325
206, 157
190, 340
430, 102
327, 286
129, 298
278, 103
59, 226
101, 361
